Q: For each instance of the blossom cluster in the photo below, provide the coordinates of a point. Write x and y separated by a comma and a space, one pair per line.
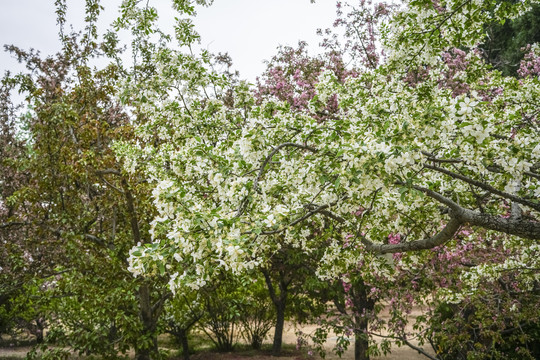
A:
238, 175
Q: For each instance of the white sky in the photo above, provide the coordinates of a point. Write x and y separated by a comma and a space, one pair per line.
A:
249, 30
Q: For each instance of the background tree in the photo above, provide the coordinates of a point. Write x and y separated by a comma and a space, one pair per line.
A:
505, 43
77, 206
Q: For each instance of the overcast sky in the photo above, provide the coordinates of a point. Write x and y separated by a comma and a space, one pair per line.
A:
249, 30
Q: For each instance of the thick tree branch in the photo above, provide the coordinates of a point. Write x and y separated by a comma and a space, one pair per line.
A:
442, 237
157, 308
484, 186
271, 289
333, 216
132, 213
511, 226
518, 227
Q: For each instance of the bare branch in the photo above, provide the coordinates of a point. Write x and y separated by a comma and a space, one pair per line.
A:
419, 349
13, 223
112, 186
406, 342
109, 171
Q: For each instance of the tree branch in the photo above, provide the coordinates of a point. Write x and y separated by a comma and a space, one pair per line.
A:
302, 218
100, 241
109, 171
157, 308
512, 226
518, 227
13, 223
132, 213
271, 289
484, 186
419, 349
263, 166
432, 157
406, 342
435, 195
498, 169
446, 234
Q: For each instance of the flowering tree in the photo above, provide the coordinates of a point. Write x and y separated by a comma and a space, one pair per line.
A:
422, 144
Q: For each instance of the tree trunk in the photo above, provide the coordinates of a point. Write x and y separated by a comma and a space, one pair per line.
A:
280, 303
278, 333
143, 354
364, 306
361, 343
182, 336
149, 322
40, 328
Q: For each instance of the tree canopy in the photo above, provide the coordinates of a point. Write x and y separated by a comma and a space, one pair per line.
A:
402, 165
429, 141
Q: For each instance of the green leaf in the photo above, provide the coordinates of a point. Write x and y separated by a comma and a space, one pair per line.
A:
161, 268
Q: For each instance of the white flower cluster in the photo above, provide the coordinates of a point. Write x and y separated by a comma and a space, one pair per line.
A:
234, 183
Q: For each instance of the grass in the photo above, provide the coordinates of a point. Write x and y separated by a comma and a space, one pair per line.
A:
199, 344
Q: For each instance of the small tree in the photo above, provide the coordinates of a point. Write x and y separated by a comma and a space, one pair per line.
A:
181, 315
257, 315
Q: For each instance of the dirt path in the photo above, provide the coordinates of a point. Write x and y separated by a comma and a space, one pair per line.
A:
398, 353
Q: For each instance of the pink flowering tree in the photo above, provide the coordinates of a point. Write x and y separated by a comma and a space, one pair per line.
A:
530, 65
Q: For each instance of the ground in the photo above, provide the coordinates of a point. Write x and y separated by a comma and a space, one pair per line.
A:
401, 353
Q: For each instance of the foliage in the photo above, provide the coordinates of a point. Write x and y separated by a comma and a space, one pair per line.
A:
416, 148
77, 213
506, 43
428, 141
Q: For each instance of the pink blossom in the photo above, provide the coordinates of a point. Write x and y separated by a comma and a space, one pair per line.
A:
394, 238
